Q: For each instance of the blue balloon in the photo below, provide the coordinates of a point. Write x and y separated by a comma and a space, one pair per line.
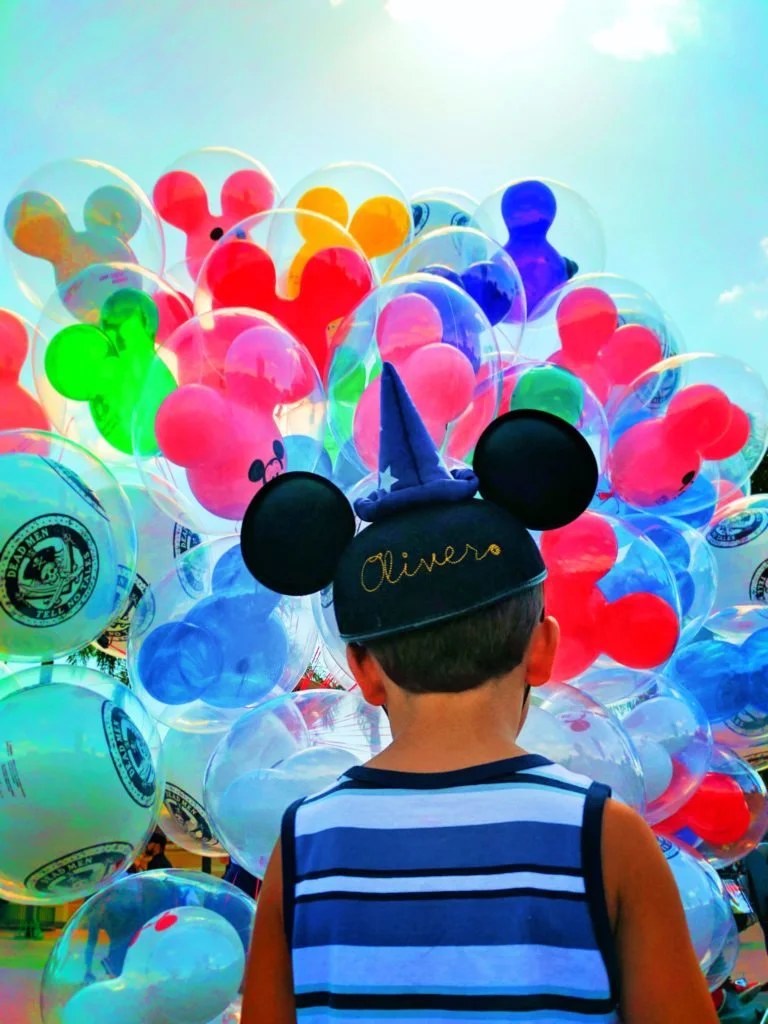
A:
230, 576
178, 661
302, 454
673, 545
717, 674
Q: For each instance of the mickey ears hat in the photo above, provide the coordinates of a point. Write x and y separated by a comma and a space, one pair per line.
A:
433, 551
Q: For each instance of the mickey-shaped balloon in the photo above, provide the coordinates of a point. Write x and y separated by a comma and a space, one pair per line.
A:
528, 209
108, 365
596, 347
223, 432
18, 408
657, 459
240, 273
638, 629
38, 225
432, 552
181, 200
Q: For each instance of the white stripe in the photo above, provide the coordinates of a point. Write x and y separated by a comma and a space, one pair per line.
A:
559, 774
443, 883
489, 966
417, 809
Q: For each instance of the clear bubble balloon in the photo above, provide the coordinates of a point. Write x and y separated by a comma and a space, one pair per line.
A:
278, 753
334, 646
668, 727
184, 818
445, 351
203, 194
83, 784
361, 198
154, 947
738, 622
303, 269
727, 816
165, 530
230, 401
724, 964
478, 265
691, 561
547, 388
704, 901
713, 424
437, 208
74, 214
549, 230
67, 546
207, 641
575, 731
20, 409
738, 540
613, 593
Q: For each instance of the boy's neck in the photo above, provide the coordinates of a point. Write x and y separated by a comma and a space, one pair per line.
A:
440, 732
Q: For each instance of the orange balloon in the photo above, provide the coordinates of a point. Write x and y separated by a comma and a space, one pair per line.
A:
380, 225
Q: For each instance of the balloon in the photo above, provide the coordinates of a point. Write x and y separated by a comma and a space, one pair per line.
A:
550, 232
245, 386
738, 540
279, 752
727, 816
612, 592
254, 266
67, 547
83, 786
184, 818
72, 215
207, 641
18, 408
359, 197
478, 265
214, 178
431, 330
169, 946
666, 724
596, 347
722, 968
714, 422
704, 901
437, 208
575, 731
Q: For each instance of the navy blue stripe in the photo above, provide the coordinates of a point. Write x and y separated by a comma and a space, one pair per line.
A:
592, 860
459, 869
401, 849
436, 1001
400, 921
288, 858
382, 778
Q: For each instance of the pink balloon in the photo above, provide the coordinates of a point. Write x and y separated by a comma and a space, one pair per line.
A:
630, 352
406, 324
734, 438
366, 424
192, 425
264, 367
586, 320
697, 416
440, 380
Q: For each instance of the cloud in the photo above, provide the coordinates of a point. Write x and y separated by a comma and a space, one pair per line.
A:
764, 245
760, 314
731, 294
649, 28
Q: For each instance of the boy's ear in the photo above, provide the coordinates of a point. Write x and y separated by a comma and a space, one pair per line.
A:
542, 649
368, 675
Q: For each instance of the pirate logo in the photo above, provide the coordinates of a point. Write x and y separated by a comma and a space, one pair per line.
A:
48, 571
80, 870
190, 816
738, 529
130, 754
758, 586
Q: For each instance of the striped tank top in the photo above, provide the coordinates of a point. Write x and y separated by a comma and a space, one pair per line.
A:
467, 896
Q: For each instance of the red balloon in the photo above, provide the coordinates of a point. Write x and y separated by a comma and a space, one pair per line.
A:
578, 611
718, 811
639, 630
697, 416
19, 409
734, 438
587, 547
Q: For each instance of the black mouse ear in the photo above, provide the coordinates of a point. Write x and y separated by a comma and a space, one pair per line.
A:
538, 467
256, 471
278, 449
295, 531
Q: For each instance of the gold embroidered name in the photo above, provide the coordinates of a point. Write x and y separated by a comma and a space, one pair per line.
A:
380, 568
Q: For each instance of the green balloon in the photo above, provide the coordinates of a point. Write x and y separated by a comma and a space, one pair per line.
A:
113, 367
550, 389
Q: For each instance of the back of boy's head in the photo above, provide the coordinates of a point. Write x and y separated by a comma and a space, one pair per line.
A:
463, 653
444, 586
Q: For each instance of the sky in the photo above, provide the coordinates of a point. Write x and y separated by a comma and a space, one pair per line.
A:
656, 111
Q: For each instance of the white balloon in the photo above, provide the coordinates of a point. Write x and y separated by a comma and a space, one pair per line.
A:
657, 767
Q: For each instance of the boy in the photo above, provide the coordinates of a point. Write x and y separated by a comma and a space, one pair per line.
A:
455, 877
